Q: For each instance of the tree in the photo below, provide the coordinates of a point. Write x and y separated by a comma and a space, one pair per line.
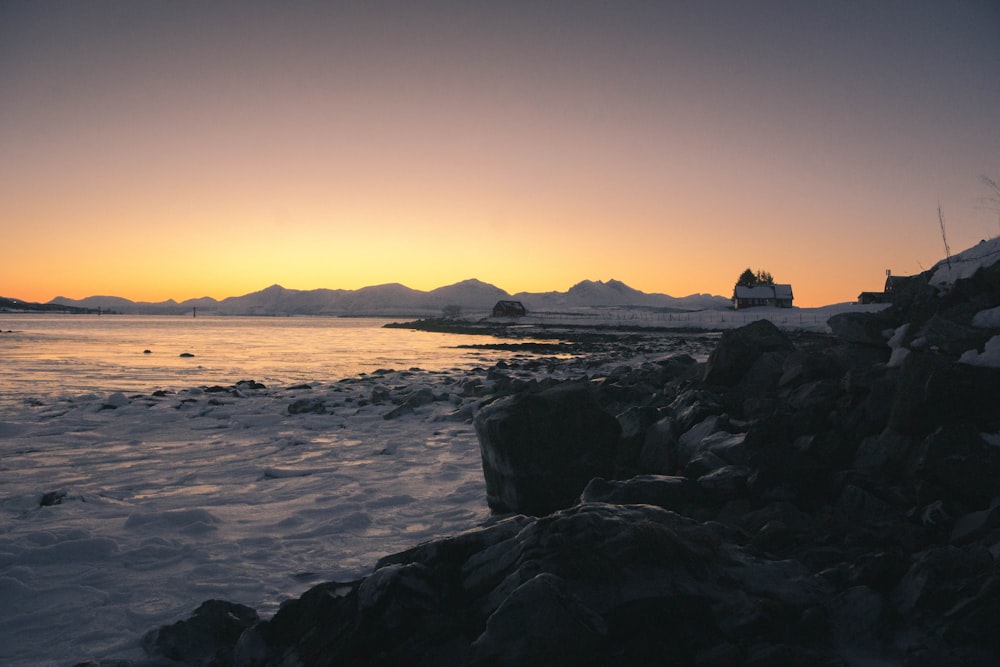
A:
747, 279
750, 279
452, 312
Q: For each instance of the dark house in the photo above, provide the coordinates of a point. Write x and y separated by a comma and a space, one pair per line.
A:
892, 283
509, 309
762, 295
873, 297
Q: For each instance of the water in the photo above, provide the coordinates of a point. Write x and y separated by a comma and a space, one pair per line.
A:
51, 355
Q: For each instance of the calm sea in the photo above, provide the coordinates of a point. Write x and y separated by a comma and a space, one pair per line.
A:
42, 356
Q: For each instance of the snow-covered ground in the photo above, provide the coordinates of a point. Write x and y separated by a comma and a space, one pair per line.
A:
790, 319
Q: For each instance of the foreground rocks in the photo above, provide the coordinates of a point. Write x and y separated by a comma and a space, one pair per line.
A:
796, 500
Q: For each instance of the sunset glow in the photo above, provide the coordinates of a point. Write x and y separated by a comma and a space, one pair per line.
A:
164, 150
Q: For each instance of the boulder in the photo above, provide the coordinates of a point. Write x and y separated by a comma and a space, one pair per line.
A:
934, 390
595, 584
539, 449
738, 350
307, 406
861, 329
207, 638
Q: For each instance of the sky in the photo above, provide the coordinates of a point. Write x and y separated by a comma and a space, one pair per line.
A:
171, 150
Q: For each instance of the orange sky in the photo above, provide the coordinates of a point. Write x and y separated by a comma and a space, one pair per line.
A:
164, 150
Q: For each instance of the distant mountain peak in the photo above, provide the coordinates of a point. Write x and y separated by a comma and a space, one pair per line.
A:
397, 300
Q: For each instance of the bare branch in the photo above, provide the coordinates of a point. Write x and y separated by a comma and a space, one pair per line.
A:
944, 236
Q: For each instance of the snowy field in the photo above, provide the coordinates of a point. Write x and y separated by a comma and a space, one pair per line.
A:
790, 319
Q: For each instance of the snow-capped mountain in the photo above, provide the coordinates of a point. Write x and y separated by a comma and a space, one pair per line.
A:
473, 296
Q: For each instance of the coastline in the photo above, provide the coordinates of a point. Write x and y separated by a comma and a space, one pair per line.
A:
826, 500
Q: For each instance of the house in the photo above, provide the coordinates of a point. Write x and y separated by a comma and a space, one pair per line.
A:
509, 309
892, 284
762, 295
874, 297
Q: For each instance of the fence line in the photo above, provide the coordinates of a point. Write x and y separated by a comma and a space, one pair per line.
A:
704, 319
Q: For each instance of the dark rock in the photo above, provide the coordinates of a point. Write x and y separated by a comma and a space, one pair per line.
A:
50, 498
957, 460
658, 453
594, 584
937, 577
539, 449
858, 619
725, 483
948, 336
689, 444
976, 525
886, 452
307, 406
540, 622
693, 406
185, 354
861, 329
781, 472
739, 349
251, 385
673, 493
933, 390
414, 398
207, 638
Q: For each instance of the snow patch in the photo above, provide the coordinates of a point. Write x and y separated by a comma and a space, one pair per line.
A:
989, 357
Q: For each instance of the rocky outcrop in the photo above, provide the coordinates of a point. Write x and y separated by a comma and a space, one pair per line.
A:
540, 448
795, 500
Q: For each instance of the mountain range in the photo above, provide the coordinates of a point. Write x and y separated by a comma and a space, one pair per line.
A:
473, 296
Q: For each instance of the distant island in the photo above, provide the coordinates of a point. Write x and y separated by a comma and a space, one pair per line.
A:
470, 297
18, 306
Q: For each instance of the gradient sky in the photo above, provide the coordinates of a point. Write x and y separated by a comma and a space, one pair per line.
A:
180, 149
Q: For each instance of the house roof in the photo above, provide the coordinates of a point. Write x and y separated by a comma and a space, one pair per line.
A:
783, 291
763, 292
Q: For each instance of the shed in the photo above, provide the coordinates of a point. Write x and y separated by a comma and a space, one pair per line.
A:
509, 309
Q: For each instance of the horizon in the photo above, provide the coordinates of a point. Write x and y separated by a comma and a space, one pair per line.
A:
335, 289
153, 149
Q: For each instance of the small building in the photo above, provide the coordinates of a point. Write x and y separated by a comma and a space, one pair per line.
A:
874, 297
892, 284
779, 296
509, 309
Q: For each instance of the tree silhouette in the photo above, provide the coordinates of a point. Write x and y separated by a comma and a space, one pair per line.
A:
750, 279
747, 279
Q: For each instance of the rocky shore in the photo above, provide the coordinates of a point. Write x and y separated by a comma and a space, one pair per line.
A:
793, 500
